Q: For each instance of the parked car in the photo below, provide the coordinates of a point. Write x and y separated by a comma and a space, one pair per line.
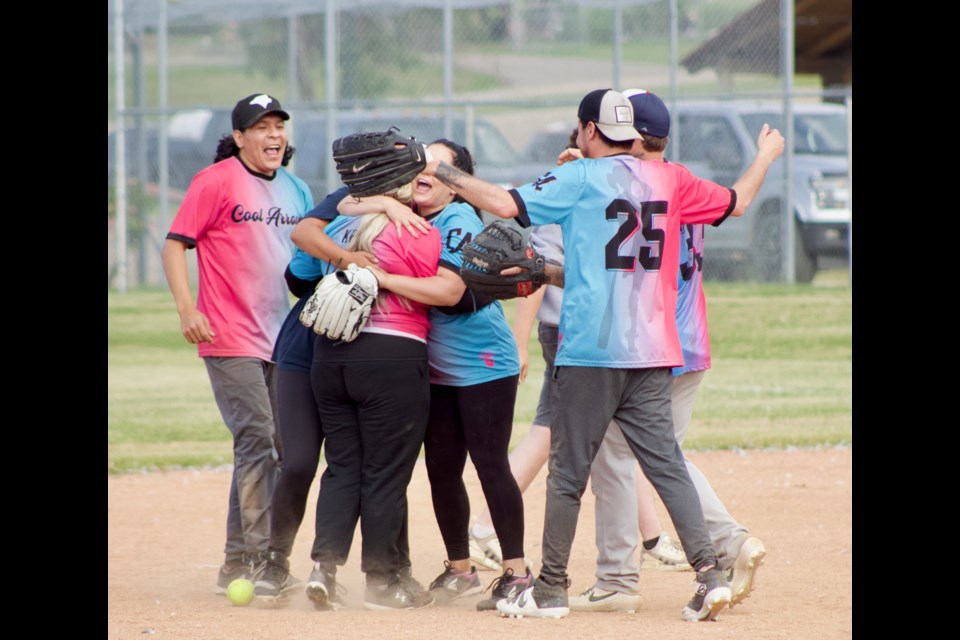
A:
717, 141
192, 138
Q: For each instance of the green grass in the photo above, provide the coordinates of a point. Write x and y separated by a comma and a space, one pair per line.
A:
217, 84
781, 376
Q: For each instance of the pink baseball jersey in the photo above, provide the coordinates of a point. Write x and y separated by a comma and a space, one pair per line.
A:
240, 224
407, 256
621, 219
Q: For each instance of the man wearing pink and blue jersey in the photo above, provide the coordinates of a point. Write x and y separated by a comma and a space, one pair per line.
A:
238, 214
612, 476
620, 219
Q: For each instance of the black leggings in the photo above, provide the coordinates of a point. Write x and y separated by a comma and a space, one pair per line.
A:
477, 419
302, 434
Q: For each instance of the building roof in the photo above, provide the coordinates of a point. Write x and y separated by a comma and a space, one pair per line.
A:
750, 43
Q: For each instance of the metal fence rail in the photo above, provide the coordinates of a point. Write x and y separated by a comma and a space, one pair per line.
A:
504, 78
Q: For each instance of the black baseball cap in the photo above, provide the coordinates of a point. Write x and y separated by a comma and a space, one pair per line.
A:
250, 109
650, 115
611, 112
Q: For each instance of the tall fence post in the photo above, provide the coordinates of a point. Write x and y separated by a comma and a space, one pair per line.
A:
787, 57
121, 228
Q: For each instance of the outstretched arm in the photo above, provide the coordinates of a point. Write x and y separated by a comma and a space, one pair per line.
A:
442, 290
400, 214
309, 236
483, 195
769, 148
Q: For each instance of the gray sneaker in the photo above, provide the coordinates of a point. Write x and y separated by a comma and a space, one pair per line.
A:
453, 584
322, 588
275, 580
711, 596
229, 572
405, 575
506, 587
395, 595
538, 601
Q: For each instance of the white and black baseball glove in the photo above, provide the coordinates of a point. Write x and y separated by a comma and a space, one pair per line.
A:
341, 303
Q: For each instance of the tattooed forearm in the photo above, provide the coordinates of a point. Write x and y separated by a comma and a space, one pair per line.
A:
450, 176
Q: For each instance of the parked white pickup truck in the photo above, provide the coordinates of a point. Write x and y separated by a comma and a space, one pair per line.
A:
717, 141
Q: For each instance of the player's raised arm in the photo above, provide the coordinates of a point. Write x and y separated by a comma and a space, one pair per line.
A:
769, 148
483, 195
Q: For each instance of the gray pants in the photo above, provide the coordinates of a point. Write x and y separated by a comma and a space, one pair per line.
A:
246, 393
639, 400
613, 481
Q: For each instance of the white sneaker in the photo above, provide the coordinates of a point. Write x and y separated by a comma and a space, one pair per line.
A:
524, 605
743, 574
668, 555
597, 599
486, 551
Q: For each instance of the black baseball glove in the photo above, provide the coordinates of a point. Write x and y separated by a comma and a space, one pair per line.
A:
496, 248
373, 163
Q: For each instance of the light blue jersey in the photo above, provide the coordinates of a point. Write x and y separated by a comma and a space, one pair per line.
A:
621, 220
692, 303
341, 231
293, 350
467, 348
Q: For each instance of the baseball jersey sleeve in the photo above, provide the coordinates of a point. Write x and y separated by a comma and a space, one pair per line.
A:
548, 199
701, 199
327, 209
199, 209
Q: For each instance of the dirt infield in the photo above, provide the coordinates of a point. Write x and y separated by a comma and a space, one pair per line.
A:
165, 539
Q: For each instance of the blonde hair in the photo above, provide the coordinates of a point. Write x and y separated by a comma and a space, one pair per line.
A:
373, 225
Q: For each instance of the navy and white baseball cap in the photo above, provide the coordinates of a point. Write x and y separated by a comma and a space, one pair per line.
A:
650, 115
250, 109
612, 113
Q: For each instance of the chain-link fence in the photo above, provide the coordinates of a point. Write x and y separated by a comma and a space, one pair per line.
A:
505, 79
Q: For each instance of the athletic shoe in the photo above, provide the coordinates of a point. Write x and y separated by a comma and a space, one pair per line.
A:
322, 587
395, 595
507, 586
229, 572
668, 555
258, 564
538, 601
597, 599
275, 580
712, 595
453, 584
743, 574
486, 551
405, 575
